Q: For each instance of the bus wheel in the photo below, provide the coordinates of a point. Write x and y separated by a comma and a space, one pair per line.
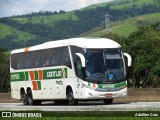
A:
24, 99
37, 102
108, 101
30, 97
70, 98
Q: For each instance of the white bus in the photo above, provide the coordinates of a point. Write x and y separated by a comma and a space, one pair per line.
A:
68, 71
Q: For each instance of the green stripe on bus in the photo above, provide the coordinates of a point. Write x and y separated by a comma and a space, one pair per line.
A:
120, 84
100, 85
36, 75
26, 75
66, 75
39, 85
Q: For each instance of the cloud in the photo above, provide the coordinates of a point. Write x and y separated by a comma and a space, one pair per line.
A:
19, 7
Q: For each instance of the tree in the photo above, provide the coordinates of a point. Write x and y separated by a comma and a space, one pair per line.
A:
143, 46
4, 72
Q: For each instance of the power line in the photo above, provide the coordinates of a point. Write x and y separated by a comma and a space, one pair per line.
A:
106, 22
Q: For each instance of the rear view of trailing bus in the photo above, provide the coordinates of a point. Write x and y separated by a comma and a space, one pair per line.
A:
68, 71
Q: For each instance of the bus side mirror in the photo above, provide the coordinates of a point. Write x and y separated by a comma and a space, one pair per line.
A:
82, 59
129, 59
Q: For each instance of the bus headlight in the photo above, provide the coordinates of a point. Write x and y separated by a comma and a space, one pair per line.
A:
123, 87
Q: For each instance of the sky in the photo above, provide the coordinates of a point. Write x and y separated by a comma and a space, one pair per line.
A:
21, 7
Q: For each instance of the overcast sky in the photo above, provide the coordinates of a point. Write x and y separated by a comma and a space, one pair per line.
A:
19, 7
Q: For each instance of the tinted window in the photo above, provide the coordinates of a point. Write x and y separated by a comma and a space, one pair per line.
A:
36, 59
27, 60
41, 58
46, 57
14, 61
55, 56
65, 58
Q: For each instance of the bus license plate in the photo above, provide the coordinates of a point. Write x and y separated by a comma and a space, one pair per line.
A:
108, 95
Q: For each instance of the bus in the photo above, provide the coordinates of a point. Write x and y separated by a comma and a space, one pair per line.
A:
68, 71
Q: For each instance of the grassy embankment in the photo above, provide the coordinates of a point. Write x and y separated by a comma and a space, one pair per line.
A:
47, 20
20, 35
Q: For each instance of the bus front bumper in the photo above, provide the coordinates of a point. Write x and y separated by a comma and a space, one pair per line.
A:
92, 94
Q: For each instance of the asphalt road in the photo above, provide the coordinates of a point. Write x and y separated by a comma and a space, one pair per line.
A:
85, 106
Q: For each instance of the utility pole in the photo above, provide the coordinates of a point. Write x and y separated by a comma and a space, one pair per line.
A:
106, 22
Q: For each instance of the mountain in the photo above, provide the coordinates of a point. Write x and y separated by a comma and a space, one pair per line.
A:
36, 28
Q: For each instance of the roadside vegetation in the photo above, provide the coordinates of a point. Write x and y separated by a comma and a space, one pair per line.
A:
4, 71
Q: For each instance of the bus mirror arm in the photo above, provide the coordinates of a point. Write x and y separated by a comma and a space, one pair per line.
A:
82, 59
129, 59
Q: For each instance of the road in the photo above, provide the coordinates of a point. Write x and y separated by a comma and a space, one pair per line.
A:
94, 106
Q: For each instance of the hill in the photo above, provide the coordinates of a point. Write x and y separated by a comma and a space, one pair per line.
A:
126, 27
122, 4
20, 35
36, 28
46, 20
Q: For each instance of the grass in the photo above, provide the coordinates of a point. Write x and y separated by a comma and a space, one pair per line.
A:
81, 116
98, 5
137, 3
6, 30
19, 35
47, 20
124, 28
119, 4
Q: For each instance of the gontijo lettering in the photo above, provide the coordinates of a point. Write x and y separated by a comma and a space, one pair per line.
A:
54, 74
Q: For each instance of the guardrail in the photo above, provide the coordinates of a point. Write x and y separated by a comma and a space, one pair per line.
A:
142, 95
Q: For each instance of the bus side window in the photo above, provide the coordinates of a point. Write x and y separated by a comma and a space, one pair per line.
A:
75, 50
78, 68
55, 57
20, 62
45, 58
27, 60
65, 58
35, 59
14, 61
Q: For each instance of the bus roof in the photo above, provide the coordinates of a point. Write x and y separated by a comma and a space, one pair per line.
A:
93, 43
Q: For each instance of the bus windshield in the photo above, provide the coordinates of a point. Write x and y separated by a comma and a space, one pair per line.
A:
104, 65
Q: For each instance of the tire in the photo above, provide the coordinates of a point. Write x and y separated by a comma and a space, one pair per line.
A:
70, 98
30, 97
108, 101
24, 99
37, 102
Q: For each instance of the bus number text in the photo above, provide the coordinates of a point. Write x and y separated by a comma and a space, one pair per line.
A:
15, 77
